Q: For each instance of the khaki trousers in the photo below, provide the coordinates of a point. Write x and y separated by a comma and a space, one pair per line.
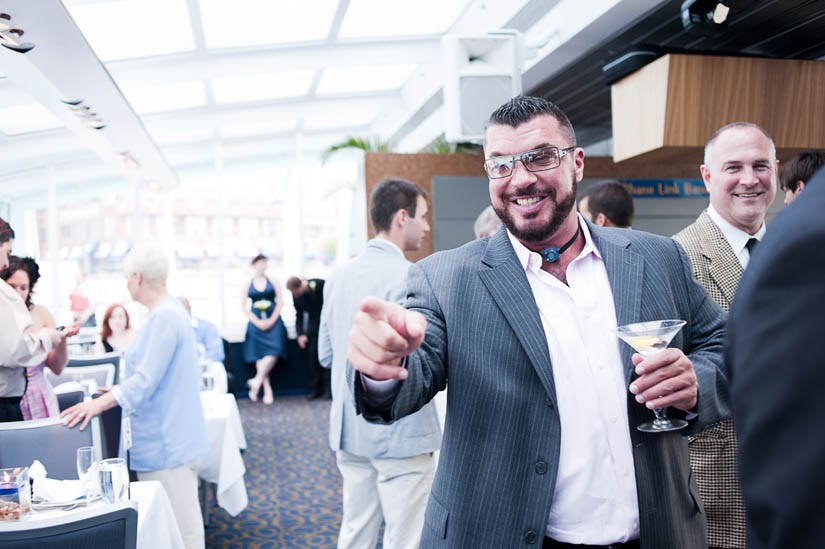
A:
393, 489
181, 485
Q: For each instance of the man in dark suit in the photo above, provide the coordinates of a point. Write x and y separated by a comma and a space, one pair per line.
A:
540, 444
777, 369
308, 298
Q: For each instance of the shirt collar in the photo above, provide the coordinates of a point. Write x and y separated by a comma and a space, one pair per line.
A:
531, 260
383, 241
737, 238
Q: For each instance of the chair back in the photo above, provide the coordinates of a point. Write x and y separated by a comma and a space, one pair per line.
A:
50, 442
67, 400
103, 526
103, 374
113, 358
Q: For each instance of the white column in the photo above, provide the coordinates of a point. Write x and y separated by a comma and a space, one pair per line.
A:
293, 237
219, 230
52, 237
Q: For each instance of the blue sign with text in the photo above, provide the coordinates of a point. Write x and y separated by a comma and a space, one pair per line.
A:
665, 188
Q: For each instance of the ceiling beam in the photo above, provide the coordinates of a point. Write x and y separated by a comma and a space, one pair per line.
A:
186, 67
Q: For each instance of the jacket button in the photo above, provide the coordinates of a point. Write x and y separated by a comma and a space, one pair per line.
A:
530, 537
541, 467
548, 402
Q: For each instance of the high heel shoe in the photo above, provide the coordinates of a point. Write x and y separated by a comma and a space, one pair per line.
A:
254, 388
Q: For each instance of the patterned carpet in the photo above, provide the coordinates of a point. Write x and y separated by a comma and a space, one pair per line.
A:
293, 484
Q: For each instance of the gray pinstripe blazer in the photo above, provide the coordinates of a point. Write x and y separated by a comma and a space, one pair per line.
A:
713, 451
499, 460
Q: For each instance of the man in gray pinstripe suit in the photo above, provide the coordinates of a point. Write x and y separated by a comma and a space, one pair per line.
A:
740, 172
540, 445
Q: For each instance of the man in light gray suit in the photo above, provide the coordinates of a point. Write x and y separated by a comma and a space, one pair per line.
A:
540, 444
387, 469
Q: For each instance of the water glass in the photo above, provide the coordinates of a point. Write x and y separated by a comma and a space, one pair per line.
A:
114, 480
86, 471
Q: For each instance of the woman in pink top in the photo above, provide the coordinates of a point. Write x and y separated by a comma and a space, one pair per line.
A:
39, 401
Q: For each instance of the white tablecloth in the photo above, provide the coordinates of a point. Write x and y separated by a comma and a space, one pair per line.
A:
224, 465
156, 528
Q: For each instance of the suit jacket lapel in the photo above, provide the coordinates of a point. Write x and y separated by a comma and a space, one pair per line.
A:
625, 270
724, 269
504, 277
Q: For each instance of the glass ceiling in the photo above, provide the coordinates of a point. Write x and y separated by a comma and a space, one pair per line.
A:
244, 70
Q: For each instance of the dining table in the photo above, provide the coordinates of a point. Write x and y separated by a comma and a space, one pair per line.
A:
223, 466
156, 524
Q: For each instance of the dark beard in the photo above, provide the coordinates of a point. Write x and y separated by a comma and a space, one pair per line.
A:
560, 213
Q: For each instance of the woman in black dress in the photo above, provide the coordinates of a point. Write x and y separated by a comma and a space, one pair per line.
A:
265, 333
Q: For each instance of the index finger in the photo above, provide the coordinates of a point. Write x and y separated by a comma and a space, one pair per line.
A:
658, 360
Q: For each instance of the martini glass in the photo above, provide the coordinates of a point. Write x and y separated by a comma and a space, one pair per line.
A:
647, 339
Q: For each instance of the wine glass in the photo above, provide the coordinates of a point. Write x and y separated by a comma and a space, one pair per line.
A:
114, 479
85, 470
648, 338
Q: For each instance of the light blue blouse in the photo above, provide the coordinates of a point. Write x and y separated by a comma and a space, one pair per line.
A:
161, 391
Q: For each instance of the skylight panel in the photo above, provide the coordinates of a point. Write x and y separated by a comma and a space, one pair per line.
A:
373, 18
126, 29
338, 119
256, 126
363, 79
256, 22
173, 132
168, 97
262, 86
30, 117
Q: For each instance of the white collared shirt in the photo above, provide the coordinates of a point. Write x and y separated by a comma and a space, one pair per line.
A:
595, 500
737, 238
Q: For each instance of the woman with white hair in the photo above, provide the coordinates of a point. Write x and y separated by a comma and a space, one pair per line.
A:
160, 392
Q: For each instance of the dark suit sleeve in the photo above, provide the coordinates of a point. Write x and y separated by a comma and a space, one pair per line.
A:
300, 329
427, 366
703, 345
777, 366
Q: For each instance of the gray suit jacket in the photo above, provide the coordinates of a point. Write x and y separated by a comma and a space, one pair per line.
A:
713, 451
380, 271
499, 457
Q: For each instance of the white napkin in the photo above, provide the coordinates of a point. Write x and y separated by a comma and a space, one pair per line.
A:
51, 490
57, 491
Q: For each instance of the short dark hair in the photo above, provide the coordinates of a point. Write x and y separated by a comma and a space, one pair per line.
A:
611, 198
293, 283
6, 232
801, 167
257, 258
28, 266
388, 197
523, 108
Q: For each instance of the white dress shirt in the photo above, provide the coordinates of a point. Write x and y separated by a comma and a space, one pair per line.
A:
737, 238
595, 500
18, 348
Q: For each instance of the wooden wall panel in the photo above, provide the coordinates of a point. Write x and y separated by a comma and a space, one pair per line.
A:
419, 169
638, 110
784, 96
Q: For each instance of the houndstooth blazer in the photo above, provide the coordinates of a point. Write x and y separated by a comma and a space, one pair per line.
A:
713, 451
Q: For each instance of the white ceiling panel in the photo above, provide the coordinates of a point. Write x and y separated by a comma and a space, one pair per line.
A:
170, 97
262, 86
338, 80
124, 29
378, 18
29, 117
255, 22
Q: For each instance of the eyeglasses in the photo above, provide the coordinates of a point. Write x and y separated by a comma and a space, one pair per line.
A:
537, 160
